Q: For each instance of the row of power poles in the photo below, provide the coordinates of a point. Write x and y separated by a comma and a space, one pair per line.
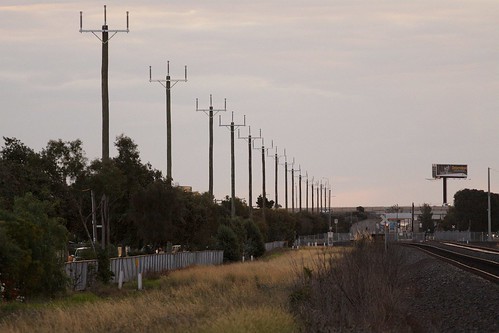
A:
104, 35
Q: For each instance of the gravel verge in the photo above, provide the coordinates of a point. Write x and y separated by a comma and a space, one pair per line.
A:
443, 298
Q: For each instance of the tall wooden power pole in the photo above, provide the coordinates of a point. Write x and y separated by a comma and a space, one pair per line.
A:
167, 84
276, 157
232, 128
211, 112
250, 140
105, 110
104, 76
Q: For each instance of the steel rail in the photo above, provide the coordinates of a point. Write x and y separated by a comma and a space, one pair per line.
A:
485, 268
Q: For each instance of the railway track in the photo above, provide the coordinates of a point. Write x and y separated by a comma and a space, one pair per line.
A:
480, 261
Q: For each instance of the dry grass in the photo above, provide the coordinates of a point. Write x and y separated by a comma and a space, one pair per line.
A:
242, 297
363, 291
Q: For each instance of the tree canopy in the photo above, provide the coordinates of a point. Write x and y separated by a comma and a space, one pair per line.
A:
470, 211
46, 201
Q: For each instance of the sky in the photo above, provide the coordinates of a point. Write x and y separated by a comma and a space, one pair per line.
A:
364, 95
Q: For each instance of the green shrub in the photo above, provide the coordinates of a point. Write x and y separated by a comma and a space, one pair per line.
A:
104, 274
227, 241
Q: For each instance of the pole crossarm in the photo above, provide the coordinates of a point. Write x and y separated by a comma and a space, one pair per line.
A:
229, 126
265, 149
211, 109
104, 28
250, 138
164, 82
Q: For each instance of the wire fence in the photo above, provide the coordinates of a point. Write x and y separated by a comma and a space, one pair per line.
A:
330, 239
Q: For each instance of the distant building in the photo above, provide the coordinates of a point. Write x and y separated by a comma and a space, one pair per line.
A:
185, 188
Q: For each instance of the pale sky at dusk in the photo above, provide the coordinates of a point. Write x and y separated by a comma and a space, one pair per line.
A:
368, 94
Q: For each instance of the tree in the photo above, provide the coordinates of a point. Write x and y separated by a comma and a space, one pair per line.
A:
12, 264
426, 218
309, 224
268, 204
281, 226
254, 244
360, 213
470, 211
200, 220
21, 171
67, 167
41, 244
65, 161
55, 174
393, 209
227, 241
157, 212
242, 209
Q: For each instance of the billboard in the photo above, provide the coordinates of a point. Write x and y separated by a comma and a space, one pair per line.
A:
449, 171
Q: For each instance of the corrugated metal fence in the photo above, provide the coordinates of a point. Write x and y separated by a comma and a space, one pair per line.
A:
322, 239
82, 273
274, 245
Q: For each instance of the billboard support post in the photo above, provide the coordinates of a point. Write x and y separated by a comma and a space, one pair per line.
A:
445, 190
489, 212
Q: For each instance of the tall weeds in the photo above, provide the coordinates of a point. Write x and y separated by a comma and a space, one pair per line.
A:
359, 291
240, 297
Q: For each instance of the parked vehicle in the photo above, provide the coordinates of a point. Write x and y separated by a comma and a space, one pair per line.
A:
83, 253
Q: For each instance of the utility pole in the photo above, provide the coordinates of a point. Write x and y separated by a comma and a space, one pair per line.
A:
321, 196
293, 186
232, 127
104, 76
489, 212
264, 191
299, 188
276, 157
326, 186
318, 205
211, 112
306, 190
94, 220
312, 191
329, 208
250, 168
167, 84
105, 109
285, 180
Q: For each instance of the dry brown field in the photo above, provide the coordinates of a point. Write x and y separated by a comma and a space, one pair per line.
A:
240, 297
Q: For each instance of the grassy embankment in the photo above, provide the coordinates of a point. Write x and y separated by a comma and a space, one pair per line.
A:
241, 297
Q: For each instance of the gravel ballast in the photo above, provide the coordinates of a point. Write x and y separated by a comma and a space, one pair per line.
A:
444, 298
